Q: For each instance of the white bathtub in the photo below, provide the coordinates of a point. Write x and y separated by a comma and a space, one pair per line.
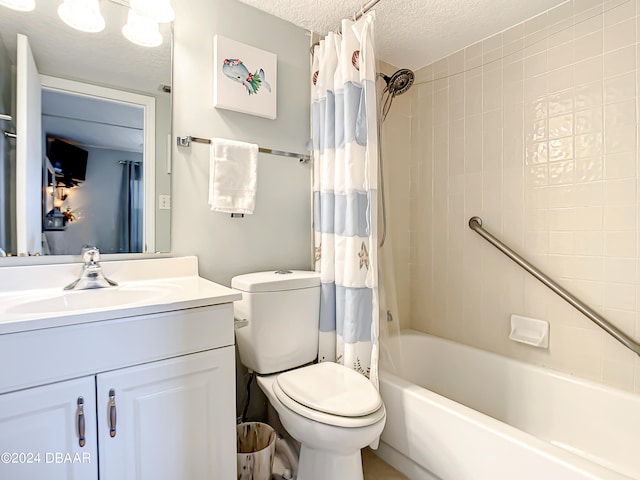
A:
495, 418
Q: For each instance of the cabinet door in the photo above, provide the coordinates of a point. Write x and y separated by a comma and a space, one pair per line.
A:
40, 430
174, 419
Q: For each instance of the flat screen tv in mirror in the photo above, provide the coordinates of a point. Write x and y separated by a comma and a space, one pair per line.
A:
69, 162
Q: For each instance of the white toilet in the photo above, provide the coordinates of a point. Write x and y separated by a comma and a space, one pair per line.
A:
332, 410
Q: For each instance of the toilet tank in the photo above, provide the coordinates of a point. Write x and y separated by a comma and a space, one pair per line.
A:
283, 312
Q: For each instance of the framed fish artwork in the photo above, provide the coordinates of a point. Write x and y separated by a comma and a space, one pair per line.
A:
244, 78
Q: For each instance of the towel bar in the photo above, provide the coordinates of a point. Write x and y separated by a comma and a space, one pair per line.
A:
186, 142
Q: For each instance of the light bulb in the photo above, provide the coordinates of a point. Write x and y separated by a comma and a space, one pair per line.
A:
20, 5
159, 10
142, 30
83, 15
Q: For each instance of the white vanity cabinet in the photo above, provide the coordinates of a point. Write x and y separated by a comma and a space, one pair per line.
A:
158, 399
172, 419
39, 427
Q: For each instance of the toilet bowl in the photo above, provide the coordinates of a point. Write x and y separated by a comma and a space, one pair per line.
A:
332, 410
330, 443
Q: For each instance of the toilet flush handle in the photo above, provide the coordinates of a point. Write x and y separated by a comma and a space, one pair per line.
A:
240, 322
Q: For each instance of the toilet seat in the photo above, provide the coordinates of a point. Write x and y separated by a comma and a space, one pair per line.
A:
331, 388
331, 394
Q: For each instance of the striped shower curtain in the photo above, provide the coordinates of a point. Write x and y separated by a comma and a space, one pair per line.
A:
345, 152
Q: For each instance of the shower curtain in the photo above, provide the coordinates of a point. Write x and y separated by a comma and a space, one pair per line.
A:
345, 149
130, 223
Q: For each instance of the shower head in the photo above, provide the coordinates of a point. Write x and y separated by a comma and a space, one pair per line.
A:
399, 82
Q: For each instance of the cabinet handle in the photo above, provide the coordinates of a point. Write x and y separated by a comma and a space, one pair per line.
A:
112, 413
81, 423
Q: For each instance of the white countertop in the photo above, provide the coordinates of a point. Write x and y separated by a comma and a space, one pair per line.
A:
32, 297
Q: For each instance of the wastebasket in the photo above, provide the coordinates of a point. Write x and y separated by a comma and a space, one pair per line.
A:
256, 447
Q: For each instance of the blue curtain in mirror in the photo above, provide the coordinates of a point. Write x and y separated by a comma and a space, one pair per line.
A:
130, 224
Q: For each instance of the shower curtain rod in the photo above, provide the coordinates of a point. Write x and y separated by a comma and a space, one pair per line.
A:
365, 8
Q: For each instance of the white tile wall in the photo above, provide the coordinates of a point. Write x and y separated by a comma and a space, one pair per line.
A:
535, 130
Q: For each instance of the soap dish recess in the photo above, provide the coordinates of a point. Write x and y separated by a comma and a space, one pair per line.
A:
530, 331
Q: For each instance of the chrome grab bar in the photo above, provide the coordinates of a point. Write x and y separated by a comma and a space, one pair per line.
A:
475, 224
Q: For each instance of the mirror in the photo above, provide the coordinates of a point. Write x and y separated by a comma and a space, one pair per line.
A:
88, 70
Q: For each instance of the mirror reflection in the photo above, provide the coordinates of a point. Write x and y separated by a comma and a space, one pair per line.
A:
89, 165
94, 168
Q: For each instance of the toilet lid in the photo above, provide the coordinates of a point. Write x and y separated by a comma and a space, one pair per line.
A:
331, 388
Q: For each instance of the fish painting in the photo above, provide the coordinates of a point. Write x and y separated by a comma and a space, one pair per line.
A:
234, 69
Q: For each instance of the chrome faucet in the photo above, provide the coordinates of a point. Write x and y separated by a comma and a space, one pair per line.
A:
91, 275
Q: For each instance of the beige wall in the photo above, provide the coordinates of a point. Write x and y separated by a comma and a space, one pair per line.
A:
534, 130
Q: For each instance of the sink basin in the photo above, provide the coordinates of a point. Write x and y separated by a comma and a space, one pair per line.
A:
92, 299
32, 297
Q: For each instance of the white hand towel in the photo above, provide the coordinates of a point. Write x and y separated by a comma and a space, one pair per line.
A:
233, 174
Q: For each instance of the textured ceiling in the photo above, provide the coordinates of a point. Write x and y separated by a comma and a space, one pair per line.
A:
413, 33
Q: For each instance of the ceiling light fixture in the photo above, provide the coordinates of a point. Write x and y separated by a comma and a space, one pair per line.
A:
142, 30
20, 5
83, 15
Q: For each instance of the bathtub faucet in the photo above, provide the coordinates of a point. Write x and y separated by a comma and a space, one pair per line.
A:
91, 275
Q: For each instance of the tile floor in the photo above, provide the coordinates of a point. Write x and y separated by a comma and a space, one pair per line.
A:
376, 469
